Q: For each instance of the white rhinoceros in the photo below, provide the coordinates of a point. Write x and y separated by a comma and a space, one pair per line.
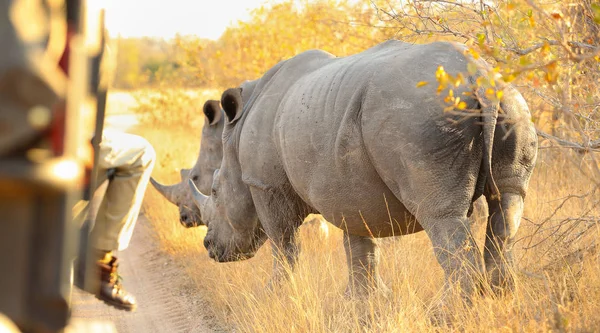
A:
209, 159
360, 141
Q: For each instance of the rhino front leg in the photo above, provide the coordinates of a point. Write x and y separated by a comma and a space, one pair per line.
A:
285, 255
503, 222
362, 256
280, 214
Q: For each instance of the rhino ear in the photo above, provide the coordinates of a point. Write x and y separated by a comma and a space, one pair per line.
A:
231, 100
212, 111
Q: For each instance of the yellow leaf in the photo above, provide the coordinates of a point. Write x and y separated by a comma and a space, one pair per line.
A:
479, 81
459, 80
472, 68
422, 83
480, 38
545, 48
461, 106
530, 75
509, 78
440, 88
552, 66
440, 73
499, 94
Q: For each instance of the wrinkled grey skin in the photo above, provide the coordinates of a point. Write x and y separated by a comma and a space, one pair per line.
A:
209, 159
355, 140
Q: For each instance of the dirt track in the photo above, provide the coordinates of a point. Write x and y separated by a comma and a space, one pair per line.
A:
167, 299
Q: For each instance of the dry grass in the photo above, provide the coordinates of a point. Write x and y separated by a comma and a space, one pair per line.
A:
554, 292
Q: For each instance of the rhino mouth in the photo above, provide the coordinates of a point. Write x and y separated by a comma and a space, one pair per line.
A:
229, 257
191, 220
225, 255
191, 224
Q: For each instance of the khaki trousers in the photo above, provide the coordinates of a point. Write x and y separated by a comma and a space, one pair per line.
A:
133, 158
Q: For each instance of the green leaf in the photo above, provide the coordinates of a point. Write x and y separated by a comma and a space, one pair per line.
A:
481, 38
596, 10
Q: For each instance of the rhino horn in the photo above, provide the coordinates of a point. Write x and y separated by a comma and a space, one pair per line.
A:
184, 173
199, 198
167, 191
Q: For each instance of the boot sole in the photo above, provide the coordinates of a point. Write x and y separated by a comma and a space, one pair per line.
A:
118, 305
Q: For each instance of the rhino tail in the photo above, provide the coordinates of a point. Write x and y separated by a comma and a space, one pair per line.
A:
489, 115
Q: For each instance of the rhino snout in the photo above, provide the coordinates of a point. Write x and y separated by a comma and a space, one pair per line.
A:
186, 220
214, 252
208, 243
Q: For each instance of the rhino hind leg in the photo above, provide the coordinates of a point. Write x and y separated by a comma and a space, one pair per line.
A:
362, 256
503, 222
456, 251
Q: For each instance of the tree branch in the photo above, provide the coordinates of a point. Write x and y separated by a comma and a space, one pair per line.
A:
592, 146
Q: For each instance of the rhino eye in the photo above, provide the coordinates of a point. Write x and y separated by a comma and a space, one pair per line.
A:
195, 178
214, 192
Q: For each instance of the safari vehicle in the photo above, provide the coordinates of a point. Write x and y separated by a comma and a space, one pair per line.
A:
45, 184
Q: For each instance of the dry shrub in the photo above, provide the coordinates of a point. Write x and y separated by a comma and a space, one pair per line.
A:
173, 108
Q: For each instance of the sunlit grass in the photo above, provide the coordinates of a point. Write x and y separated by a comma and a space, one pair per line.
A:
552, 292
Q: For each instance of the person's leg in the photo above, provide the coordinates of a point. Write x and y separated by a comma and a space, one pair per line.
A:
133, 159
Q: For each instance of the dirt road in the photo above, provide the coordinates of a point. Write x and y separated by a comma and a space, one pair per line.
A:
167, 300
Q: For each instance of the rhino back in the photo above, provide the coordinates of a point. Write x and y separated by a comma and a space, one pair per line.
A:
257, 154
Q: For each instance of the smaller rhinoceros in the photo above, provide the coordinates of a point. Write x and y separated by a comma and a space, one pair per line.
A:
209, 159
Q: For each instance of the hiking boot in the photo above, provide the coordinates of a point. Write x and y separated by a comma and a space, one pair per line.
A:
111, 290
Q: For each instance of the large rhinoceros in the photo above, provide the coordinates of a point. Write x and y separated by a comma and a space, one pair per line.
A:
209, 159
360, 141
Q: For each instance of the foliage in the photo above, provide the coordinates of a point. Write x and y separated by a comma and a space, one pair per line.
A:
247, 49
551, 51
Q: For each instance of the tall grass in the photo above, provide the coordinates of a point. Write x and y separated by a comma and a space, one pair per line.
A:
557, 289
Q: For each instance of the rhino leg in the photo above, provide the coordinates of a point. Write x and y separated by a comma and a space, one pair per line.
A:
457, 253
280, 213
362, 255
503, 222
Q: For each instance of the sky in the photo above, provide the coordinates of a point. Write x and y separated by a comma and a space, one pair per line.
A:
165, 18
